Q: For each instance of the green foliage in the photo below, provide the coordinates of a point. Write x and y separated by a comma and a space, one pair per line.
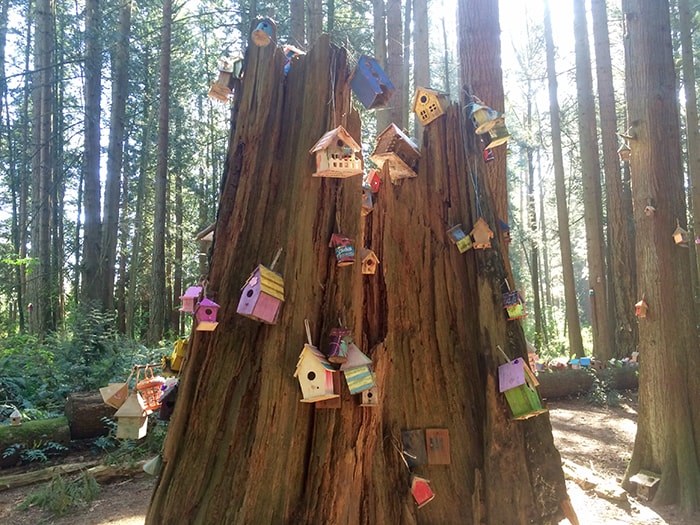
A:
38, 452
129, 451
60, 496
602, 393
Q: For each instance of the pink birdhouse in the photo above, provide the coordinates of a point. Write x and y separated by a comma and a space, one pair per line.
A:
373, 180
421, 491
641, 308
189, 299
262, 296
344, 249
206, 313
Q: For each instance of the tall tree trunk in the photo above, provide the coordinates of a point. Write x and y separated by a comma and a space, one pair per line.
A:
546, 277
383, 116
571, 303
124, 244
406, 71
421, 52
115, 154
156, 312
315, 20
395, 63
534, 242
621, 266
669, 408
330, 9
344, 465
691, 115
592, 190
296, 23
92, 276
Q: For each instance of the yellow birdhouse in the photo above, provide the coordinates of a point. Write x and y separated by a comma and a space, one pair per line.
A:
369, 260
178, 355
400, 152
499, 133
132, 421
337, 155
483, 117
482, 235
429, 104
458, 237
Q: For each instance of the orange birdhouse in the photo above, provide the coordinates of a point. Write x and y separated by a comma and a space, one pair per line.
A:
429, 104
482, 234
369, 261
680, 236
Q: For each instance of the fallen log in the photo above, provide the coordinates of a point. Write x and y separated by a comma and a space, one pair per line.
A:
31, 434
589, 480
85, 411
569, 382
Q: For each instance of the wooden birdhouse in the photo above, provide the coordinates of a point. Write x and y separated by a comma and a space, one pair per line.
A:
132, 420
369, 260
373, 180
114, 394
641, 308
680, 236
264, 32
488, 155
395, 148
482, 235
458, 237
357, 370
229, 68
337, 155
344, 249
370, 83
482, 116
206, 313
370, 397
315, 375
624, 152
367, 202
517, 382
646, 483
339, 341
16, 418
421, 491
505, 230
514, 305
290, 54
167, 401
429, 104
189, 299
498, 134
178, 356
649, 210
262, 296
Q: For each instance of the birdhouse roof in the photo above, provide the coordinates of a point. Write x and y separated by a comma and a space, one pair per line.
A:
366, 253
393, 129
15, 414
271, 283
332, 136
428, 91
311, 352
355, 358
481, 228
207, 234
132, 407
208, 302
511, 375
192, 292
338, 239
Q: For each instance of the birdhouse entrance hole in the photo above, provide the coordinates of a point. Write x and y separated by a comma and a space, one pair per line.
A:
311, 376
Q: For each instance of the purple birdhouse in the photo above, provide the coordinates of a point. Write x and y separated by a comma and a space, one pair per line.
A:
262, 296
189, 299
206, 313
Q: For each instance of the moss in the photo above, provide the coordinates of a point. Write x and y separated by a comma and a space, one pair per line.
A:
31, 432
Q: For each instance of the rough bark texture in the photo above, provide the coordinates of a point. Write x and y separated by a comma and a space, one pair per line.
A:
395, 64
592, 190
85, 411
572, 318
241, 448
669, 413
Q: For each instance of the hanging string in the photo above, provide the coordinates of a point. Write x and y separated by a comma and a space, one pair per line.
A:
274, 261
333, 72
475, 183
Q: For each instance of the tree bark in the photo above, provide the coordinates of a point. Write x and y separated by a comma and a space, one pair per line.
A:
669, 408
84, 411
417, 319
157, 317
572, 318
421, 52
315, 20
395, 63
296, 23
592, 190
379, 25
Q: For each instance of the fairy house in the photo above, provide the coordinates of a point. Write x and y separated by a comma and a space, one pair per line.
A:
337, 155
315, 375
429, 104
396, 149
132, 420
369, 261
517, 382
262, 295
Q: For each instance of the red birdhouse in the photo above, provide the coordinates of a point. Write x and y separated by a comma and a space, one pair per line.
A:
421, 491
373, 180
344, 249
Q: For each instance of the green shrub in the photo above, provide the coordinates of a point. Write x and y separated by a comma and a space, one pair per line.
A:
59, 496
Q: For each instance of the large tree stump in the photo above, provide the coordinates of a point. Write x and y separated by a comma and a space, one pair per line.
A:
85, 411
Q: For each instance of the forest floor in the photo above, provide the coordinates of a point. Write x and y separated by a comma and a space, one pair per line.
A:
597, 439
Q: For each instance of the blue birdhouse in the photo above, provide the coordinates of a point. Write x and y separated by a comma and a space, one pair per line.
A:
370, 84
263, 33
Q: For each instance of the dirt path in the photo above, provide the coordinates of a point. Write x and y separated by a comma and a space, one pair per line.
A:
599, 439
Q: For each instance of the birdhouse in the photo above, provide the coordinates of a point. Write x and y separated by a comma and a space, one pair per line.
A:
357, 370
373, 180
482, 116
132, 421
680, 236
421, 491
229, 67
290, 53
206, 313
315, 375
370, 84
167, 401
153, 466
488, 155
264, 32
429, 104
498, 134
369, 261
624, 152
505, 230
458, 237
370, 397
646, 483
338, 344
482, 235
367, 203
641, 308
15, 418
399, 151
517, 382
514, 306
114, 394
189, 299
262, 296
344, 249
337, 155
179, 351
437, 442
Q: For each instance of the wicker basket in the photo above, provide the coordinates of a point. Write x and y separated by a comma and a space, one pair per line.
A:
150, 389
